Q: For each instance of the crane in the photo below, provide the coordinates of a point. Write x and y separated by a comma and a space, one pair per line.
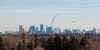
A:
53, 19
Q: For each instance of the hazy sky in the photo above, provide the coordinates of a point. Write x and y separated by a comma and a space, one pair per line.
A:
85, 13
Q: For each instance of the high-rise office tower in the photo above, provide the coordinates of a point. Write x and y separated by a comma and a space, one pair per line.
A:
41, 28
31, 29
36, 29
23, 34
57, 30
23, 39
49, 29
93, 31
20, 28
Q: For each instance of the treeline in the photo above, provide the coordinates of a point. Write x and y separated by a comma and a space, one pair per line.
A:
51, 43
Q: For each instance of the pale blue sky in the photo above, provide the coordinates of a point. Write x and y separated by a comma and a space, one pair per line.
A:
28, 12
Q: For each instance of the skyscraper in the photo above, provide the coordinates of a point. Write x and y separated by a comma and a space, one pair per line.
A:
49, 29
20, 28
57, 30
41, 28
36, 29
23, 34
31, 29
93, 31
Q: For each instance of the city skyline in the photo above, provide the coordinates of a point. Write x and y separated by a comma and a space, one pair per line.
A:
85, 13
